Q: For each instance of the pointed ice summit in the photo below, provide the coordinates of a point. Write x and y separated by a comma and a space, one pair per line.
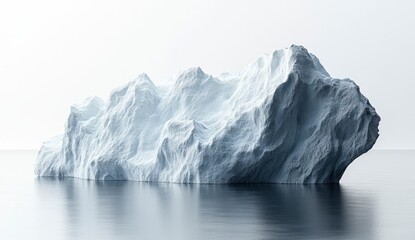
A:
282, 119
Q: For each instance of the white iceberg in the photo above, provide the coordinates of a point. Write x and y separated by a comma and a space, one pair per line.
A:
282, 119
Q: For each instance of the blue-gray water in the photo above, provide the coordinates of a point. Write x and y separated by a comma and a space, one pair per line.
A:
375, 200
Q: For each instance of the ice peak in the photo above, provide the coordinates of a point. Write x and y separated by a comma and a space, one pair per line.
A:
192, 73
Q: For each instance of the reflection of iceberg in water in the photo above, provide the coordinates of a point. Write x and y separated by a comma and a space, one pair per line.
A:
300, 211
132, 210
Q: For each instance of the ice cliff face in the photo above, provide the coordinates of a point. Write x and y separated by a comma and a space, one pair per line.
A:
282, 119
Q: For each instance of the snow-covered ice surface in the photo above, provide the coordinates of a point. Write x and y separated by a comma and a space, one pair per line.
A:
282, 119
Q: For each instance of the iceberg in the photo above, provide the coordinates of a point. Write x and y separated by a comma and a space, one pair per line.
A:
282, 119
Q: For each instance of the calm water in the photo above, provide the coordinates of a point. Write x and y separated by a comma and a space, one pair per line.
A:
375, 200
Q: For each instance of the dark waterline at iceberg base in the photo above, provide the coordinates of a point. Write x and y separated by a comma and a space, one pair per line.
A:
373, 201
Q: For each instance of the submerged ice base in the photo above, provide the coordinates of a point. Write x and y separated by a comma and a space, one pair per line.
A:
282, 119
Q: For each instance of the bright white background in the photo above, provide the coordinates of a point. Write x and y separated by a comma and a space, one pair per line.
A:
56, 53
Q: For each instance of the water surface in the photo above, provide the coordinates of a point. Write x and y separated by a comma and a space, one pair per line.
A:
374, 201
